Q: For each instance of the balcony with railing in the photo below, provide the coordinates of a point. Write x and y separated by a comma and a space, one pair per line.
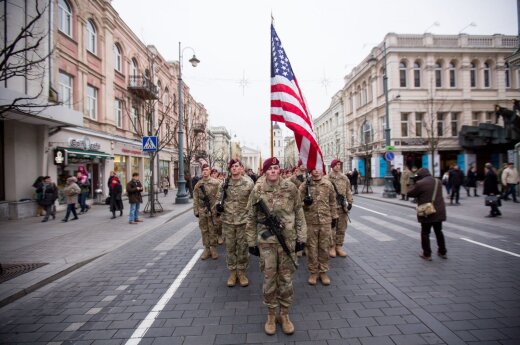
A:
143, 87
199, 128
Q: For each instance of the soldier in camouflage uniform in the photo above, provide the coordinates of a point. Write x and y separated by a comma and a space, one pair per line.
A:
320, 215
299, 174
233, 213
343, 187
207, 222
282, 199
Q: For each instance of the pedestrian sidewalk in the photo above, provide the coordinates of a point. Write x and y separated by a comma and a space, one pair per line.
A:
68, 246
467, 204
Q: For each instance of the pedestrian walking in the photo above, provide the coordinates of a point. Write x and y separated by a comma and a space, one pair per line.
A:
502, 188
37, 196
282, 202
344, 202
165, 185
115, 194
471, 181
71, 192
428, 189
456, 179
112, 175
396, 174
321, 216
446, 181
204, 202
48, 192
134, 189
509, 181
232, 199
491, 190
355, 178
405, 183
84, 184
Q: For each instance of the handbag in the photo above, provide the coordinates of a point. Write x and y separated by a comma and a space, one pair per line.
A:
424, 210
492, 200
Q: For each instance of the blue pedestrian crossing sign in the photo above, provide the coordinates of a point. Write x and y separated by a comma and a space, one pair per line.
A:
149, 144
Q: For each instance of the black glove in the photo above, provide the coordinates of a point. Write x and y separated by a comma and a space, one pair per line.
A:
308, 201
197, 215
349, 206
334, 222
299, 246
254, 251
220, 208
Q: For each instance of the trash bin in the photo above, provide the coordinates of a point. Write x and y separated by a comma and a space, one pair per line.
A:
98, 197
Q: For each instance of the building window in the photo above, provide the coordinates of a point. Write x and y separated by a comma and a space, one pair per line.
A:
350, 104
489, 117
473, 75
440, 124
118, 65
135, 119
402, 74
92, 105
453, 74
366, 133
166, 97
507, 75
118, 112
352, 138
417, 74
475, 118
65, 89
418, 124
438, 74
135, 69
487, 75
64, 17
91, 37
404, 124
454, 124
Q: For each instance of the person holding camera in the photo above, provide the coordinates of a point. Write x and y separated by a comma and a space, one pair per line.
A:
428, 189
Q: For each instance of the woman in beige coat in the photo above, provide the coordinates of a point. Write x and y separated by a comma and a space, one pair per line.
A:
405, 182
71, 192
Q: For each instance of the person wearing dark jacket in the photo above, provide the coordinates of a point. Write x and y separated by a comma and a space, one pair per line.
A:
456, 179
354, 182
472, 181
491, 188
423, 190
48, 194
134, 189
115, 193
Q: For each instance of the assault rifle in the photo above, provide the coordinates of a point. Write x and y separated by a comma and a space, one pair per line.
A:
275, 226
220, 204
205, 199
307, 200
341, 201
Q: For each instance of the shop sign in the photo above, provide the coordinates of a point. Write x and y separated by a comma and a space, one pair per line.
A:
413, 142
135, 152
84, 144
60, 157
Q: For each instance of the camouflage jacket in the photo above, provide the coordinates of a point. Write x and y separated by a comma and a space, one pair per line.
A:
235, 204
343, 185
211, 185
283, 200
297, 182
323, 208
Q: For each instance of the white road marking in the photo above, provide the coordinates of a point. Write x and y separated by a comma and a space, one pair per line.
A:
364, 208
73, 327
143, 327
349, 238
372, 232
416, 224
491, 247
471, 231
174, 239
394, 227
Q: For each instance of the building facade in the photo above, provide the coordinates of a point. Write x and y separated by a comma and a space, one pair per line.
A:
251, 158
278, 144
436, 84
219, 148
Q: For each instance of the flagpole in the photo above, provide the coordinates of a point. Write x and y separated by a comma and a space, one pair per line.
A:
272, 140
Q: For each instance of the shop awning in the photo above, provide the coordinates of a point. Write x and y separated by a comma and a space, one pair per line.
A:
89, 154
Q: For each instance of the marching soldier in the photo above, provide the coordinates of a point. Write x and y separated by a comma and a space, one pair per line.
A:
320, 214
275, 229
299, 174
204, 199
232, 206
343, 192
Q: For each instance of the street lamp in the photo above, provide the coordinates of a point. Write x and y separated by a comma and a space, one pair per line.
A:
182, 196
389, 191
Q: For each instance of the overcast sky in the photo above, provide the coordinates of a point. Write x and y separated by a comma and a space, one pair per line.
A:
323, 39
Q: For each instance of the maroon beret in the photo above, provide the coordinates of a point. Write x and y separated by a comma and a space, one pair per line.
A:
233, 161
214, 171
334, 162
268, 162
204, 166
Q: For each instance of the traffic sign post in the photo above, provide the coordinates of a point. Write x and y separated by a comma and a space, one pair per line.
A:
150, 144
389, 156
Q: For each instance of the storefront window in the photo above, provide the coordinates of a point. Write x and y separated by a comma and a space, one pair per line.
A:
147, 175
120, 169
164, 167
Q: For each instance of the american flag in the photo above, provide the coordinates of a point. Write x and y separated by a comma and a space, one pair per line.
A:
288, 106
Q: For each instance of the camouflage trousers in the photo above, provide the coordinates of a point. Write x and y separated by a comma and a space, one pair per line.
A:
278, 272
218, 225
237, 256
337, 235
318, 243
207, 230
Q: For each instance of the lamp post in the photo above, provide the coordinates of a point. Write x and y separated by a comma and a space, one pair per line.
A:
182, 196
389, 191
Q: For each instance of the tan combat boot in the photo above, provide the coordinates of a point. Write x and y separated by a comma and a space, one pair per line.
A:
325, 280
242, 278
332, 252
214, 254
232, 279
340, 251
220, 240
270, 324
206, 254
287, 325
312, 279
